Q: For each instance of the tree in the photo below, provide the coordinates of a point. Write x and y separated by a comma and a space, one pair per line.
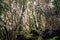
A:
23, 16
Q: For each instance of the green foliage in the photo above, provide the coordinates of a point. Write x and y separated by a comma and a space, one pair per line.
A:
57, 5
4, 7
54, 38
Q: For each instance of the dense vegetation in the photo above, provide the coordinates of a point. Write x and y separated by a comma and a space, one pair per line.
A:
29, 19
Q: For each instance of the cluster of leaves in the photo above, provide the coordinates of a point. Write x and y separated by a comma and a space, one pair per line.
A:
32, 34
